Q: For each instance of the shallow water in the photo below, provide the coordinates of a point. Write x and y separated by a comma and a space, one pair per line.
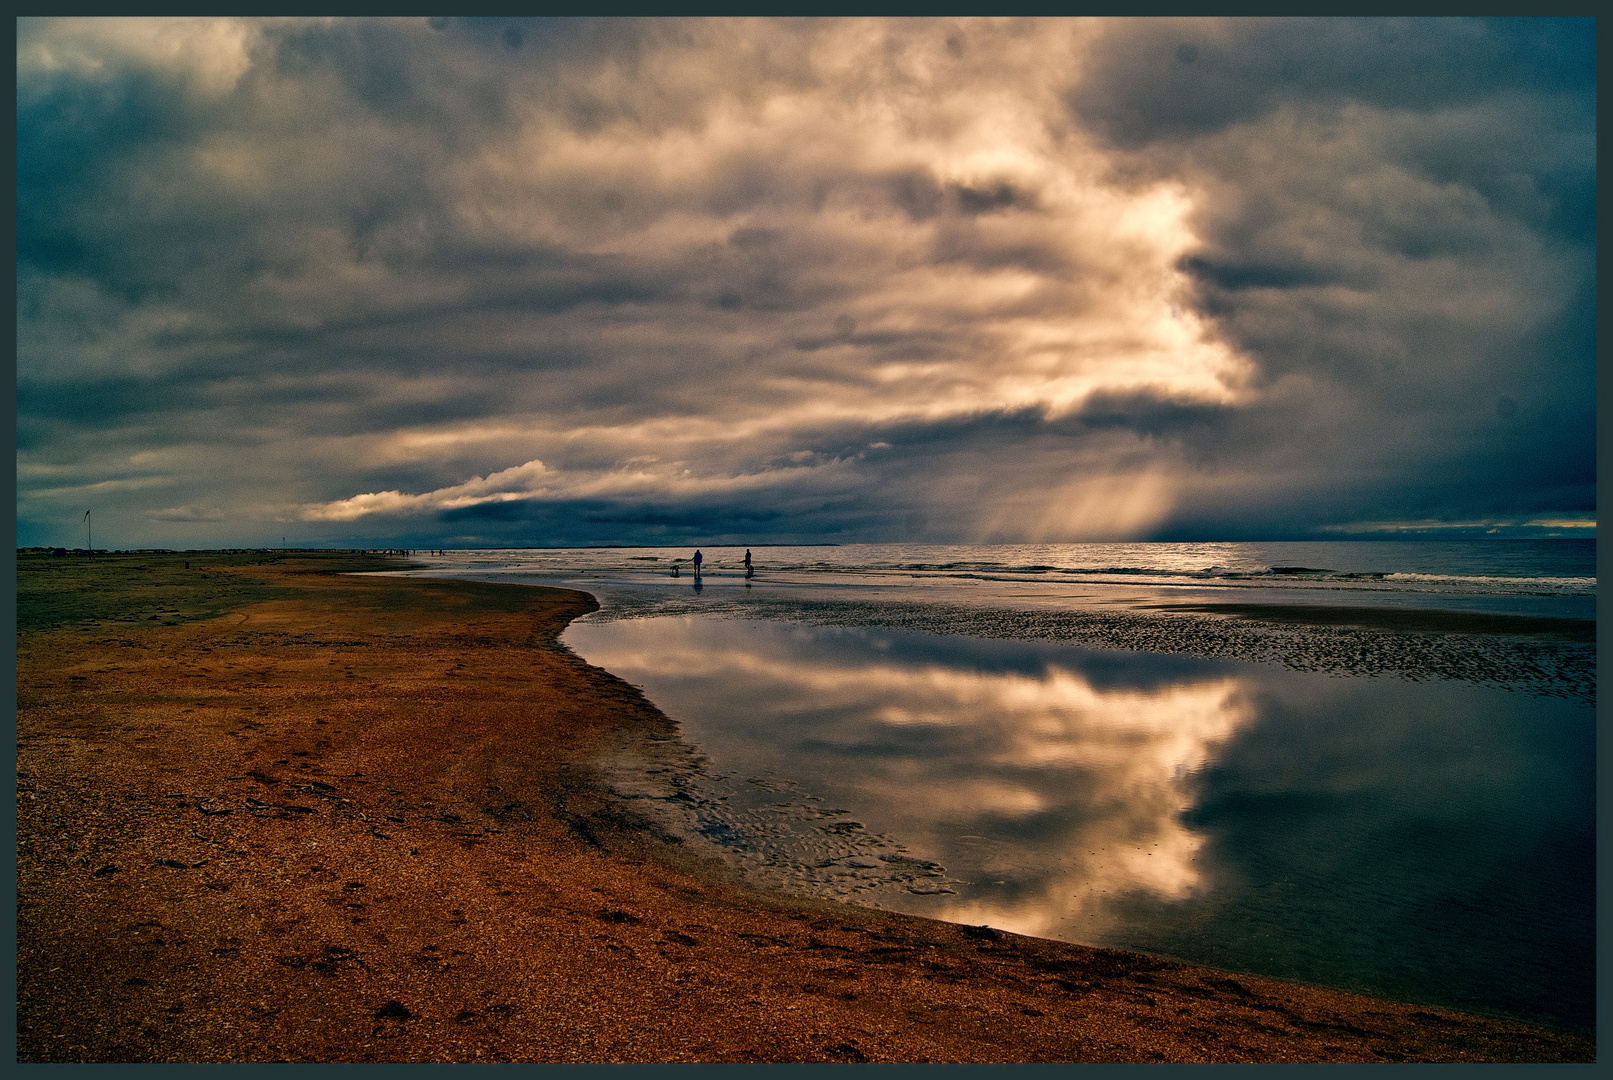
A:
1429, 841
1019, 735
1534, 577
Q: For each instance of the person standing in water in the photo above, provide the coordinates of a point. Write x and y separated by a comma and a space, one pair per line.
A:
698, 558
747, 560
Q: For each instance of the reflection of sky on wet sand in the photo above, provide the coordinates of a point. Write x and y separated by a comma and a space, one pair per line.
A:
1048, 795
1320, 829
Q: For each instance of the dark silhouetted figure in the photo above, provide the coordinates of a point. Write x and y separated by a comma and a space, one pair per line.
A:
698, 559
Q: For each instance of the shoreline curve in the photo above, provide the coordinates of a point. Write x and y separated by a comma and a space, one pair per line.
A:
312, 817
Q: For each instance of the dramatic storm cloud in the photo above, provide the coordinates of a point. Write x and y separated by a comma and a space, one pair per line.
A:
457, 282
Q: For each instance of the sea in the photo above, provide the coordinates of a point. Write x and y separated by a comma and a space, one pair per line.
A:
1365, 765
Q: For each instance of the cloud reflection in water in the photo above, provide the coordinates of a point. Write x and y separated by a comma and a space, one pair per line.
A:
1428, 841
1049, 794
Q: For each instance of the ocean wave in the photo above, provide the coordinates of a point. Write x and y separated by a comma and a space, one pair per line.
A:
1289, 576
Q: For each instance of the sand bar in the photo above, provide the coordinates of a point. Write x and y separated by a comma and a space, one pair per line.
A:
269, 812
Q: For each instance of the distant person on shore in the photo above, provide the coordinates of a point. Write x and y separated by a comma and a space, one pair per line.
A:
749, 570
698, 559
747, 558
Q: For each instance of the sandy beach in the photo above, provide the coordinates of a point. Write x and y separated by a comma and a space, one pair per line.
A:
270, 812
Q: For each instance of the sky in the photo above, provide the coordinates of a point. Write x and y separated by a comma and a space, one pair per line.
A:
490, 282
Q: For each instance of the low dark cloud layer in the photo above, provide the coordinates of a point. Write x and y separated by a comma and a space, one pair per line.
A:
479, 281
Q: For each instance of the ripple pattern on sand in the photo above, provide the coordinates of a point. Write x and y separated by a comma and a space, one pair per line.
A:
766, 828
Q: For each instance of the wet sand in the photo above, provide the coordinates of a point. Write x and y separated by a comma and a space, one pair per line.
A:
1403, 620
266, 812
1549, 657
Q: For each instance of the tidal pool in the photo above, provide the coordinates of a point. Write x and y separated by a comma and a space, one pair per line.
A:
1427, 841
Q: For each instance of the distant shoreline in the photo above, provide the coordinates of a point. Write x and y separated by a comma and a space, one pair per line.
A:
332, 549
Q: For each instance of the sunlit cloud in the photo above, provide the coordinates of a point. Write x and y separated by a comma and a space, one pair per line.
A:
641, 478
520, 482
997, 279
211, 53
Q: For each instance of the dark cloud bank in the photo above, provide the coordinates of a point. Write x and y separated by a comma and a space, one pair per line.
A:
564, 282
